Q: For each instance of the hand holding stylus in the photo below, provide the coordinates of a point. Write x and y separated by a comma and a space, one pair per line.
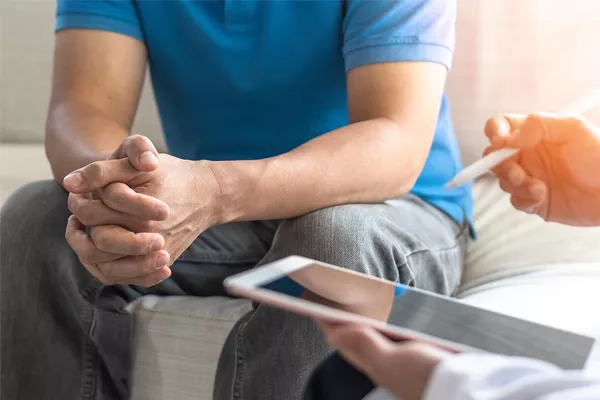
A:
473, 171
556, 171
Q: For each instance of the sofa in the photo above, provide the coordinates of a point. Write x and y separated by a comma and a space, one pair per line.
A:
506, 60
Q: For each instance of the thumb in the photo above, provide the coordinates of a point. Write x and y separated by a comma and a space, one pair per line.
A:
363, 347
99, 174
140, 151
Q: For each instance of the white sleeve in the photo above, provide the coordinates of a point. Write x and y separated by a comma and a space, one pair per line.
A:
492, 377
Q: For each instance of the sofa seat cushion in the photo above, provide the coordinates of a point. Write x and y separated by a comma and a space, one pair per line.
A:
513, 243
21, 164
177, 344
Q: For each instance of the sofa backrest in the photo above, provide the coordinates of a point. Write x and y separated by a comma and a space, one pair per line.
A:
512, 56
27, 41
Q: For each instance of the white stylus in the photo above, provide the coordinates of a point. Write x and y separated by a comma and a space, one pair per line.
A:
488, 162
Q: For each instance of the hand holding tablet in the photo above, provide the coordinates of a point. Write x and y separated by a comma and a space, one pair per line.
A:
333, 294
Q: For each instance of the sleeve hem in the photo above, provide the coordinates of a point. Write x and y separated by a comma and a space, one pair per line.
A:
98, 22
394, 52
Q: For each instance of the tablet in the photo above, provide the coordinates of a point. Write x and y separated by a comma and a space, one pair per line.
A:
401, 312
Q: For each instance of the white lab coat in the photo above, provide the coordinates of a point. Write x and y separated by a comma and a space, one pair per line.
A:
493, 377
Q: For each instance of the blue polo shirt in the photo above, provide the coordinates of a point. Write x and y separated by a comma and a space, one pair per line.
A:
248, 79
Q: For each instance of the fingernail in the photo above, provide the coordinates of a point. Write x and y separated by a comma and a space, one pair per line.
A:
538, 190
162, 212
516, 176
157, 244
148, 157
73, 180
161, 261
165, 273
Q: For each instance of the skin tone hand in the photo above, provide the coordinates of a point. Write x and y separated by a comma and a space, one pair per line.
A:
402, 368
124, 219
142, 259
556, 174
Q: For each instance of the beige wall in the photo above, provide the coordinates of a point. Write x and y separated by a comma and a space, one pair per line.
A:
26, 42
521, 56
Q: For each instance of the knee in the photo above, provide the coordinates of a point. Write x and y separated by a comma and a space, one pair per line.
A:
349, 236
39, 207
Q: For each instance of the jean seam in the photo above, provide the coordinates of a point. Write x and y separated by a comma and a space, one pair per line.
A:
451, 250
413, 277
91, 290
89, 356
455, 247
238, 372
219, 258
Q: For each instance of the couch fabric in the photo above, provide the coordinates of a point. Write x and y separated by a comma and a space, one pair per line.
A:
519, 266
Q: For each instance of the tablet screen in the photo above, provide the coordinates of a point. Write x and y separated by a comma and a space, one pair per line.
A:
433, 315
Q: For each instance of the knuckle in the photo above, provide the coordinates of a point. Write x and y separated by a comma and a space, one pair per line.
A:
136, 142
85, 215
96, 170
116, 193
129, 140
102, 240
496, 119
492, 125
136, 139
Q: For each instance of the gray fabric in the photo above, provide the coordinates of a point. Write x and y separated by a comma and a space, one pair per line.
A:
66, 336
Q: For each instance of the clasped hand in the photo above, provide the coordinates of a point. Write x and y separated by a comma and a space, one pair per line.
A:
141, 209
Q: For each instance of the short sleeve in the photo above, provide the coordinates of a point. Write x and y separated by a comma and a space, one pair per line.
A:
119, 16
391, 30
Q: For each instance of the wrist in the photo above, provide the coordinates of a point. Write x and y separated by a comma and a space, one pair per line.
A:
234, 186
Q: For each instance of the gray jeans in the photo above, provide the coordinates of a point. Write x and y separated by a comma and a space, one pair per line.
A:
65, 336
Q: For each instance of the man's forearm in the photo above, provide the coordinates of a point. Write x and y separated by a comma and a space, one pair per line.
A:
78, 134
366, 162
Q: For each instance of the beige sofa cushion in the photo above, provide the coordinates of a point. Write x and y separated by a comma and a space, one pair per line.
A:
180, 364
19, 165
511, 242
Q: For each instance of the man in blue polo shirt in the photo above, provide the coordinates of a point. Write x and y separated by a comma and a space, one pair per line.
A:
316, 128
